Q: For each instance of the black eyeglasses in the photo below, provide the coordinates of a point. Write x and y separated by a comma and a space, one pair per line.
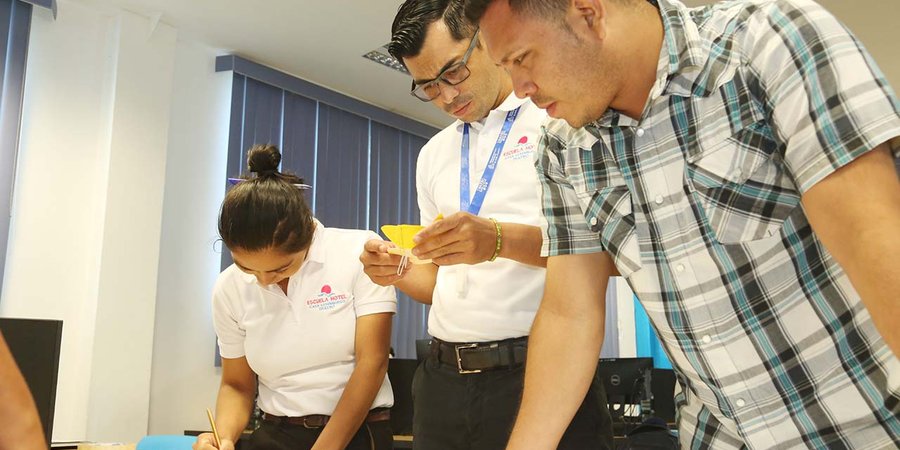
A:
451, 76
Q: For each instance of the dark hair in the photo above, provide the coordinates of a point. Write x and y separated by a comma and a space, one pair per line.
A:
548, 9
266, 211
413, 18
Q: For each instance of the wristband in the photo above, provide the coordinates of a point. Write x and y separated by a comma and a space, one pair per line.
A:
499, 239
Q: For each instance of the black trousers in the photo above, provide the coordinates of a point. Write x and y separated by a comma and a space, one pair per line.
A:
453, 411
273, 436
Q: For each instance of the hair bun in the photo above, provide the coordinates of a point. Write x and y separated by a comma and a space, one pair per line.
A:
263, 159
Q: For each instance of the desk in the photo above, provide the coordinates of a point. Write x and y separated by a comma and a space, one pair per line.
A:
400, 441
403, 441
73, 445
245, 436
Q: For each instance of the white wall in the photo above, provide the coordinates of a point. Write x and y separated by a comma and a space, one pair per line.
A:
184, 380
103, 89
56, 227
625, 317
874, 22
123, 341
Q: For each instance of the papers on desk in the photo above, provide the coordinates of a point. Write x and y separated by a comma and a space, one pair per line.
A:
105, 446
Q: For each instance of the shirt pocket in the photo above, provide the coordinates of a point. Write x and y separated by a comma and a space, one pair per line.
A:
735, 170
605, 200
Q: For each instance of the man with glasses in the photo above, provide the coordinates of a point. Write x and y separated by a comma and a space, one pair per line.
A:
478, 194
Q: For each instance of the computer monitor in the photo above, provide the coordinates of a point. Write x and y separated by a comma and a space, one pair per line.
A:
34, 345
627, 383
624, 378
401, 372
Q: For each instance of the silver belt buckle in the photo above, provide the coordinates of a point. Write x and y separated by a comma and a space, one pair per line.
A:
457, 348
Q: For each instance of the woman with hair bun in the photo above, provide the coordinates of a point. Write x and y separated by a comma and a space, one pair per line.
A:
296, 317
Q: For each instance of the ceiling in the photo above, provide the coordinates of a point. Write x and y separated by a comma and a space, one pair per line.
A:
323, 41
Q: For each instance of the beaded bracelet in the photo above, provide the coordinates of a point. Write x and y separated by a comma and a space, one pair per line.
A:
499, 239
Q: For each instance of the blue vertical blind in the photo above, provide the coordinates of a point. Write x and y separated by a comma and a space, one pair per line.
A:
392, 174
15, 17
362, 171
646, 339
341, 186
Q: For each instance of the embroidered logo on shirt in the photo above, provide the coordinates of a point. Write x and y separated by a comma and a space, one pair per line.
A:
327, 300
523, 149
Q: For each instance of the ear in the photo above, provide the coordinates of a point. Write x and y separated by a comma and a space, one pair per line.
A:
588, 16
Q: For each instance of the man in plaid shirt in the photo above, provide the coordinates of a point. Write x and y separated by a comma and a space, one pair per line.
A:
735, 164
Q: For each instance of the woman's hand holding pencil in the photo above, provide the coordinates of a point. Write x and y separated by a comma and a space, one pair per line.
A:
210, 441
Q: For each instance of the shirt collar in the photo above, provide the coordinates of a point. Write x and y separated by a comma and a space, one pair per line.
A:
510, 103
316, 250
680, 62
686, 68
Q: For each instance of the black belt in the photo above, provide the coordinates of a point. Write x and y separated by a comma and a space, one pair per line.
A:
319, 420
477, 357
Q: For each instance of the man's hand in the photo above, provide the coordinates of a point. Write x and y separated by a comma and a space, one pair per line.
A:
572, 316
379, 265
207, 441
460, 238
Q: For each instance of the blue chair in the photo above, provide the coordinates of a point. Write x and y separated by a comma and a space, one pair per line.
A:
166, 442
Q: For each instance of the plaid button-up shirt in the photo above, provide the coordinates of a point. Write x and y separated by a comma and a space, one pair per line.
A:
698, 202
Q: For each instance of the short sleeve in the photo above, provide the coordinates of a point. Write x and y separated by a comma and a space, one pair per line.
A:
229, 332
829, 101
370, 298
564, 228
428, 209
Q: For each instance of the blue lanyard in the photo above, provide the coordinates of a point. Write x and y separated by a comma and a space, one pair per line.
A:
481, 190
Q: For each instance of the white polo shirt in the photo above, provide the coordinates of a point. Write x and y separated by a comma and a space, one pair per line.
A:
491, 300
301, 345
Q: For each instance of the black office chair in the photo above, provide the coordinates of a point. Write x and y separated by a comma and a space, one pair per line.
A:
662, 385
401, 372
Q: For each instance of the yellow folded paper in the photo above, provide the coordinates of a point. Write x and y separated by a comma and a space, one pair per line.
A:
402, 236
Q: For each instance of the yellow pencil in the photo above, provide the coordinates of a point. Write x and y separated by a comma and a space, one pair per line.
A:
212, 423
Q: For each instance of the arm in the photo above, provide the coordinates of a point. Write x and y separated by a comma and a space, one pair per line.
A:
462, 238
373, 340
833, 111
233, 406
22, 428
571, 317
855, 211
416, 280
